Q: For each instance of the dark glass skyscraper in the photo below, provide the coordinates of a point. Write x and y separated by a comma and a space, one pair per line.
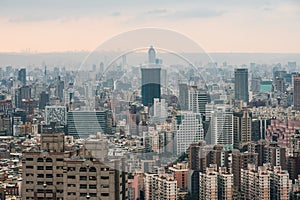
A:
151, 80
150, 85
241, 85
22, 76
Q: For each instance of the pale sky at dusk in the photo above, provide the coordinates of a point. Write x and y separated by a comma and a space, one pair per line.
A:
218, 25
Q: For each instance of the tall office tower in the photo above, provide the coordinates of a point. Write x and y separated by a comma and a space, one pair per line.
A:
150, 85
241, 128
81, 124
296, 94
183, 96
189, 130
60, 89
276, 155
197, 99
215, 184
54, 173
151, 80
280, 184
22, 76
43, 100
160, 112
220, 130
151, 55
241, 161
160, 186
241, 85
255, 183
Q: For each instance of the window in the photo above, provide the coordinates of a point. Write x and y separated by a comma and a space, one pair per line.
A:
82, 178
93, 186
104, 177
40, 167
40, 182
48, 167
29, 159
93, 194
82, 169
93, 169
59, 159
71, 185
49, 183
49, 175
40, 175
29, 167
71, 168
83, 194
104, 186
93, 178
59, 175
83, 186
105, 194
71, 177
40, 160
48, 160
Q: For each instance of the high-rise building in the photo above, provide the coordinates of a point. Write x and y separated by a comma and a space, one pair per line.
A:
22, 76
150, 85
241, 128
255, 183
151, 80
220, 130
280, 184
208, 184
160, 186
56, 114
54, 173
241, 85
151, 55
197, 164
60, 88
180, 171
160, 110
183, 96
215, 184
197, 99
23, 92
189, 130
276, 155
81, 124
241, 161
43, 100
296, 94
202, 156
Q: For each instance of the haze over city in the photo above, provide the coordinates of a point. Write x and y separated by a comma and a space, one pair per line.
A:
149, 100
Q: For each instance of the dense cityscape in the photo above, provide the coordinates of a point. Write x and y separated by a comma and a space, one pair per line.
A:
91, 134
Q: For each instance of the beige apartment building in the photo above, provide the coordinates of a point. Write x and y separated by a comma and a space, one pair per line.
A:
52, 172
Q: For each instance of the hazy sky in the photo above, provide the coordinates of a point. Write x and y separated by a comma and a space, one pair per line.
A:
218, 25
